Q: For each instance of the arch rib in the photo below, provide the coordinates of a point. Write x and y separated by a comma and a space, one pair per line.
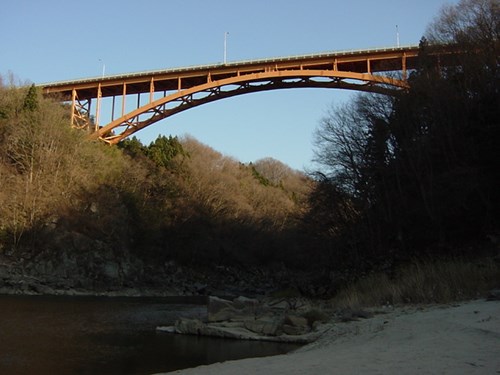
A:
182, 100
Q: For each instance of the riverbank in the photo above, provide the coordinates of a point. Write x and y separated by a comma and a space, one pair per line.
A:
164, 280
445, 339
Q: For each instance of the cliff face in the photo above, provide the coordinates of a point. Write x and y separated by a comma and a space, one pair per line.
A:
82, 266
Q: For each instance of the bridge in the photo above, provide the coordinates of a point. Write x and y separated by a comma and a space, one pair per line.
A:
159, 94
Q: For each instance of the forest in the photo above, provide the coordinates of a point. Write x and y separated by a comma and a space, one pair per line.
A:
403, 182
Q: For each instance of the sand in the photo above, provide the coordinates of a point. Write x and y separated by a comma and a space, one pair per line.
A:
450, 339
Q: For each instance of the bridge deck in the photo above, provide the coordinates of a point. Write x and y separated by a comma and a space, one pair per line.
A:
359, 61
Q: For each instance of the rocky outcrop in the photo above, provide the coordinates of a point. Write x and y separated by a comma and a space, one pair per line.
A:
72, 262
251, 319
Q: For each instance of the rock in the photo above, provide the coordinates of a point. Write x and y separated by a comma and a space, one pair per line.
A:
279, 304
244, 303
166, 329
293, 330
189, 326
240, 309
265, 326
295, 325
296, 321
219, 309
197, 327
94, 208
274, 326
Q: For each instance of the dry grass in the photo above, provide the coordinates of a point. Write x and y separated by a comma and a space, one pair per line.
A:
423, 282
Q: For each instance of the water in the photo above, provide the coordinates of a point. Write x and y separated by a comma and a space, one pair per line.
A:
83, 335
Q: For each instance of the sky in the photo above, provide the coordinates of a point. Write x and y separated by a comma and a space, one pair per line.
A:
53, 40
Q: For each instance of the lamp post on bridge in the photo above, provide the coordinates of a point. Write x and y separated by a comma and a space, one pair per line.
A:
103, 67
225, 46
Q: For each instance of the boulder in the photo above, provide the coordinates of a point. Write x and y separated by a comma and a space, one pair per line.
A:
295, 325
189, 326
294, 330
244, 303
240, 319
240, 309
166, 329
197, 327
296, 321
265, 326
219, 309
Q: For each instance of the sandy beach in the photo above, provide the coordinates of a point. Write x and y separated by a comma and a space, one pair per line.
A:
462, 338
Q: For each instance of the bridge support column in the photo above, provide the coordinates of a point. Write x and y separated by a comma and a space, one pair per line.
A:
124, 96
73, 106
403, 66
98, 107
151, 90
80, 111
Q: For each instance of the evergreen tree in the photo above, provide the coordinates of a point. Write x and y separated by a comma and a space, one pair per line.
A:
133, 146
31, 99
163, 151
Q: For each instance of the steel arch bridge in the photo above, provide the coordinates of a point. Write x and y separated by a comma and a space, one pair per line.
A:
382, 70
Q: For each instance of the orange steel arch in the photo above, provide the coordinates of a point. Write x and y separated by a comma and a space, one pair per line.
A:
239, 85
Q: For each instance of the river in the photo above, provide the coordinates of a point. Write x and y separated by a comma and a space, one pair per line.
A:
99, 336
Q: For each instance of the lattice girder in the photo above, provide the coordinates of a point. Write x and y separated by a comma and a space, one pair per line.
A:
80, 112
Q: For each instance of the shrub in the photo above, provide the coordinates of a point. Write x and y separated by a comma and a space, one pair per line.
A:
440, 281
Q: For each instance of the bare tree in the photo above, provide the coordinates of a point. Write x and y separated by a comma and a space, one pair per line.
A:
469, 21
342, 140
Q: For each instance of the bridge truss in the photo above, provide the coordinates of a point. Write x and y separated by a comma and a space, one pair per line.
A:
175, 90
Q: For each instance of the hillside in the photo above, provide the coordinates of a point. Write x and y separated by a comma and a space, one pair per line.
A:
83, 214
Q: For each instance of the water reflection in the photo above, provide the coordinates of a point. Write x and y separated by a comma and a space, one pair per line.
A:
68, 335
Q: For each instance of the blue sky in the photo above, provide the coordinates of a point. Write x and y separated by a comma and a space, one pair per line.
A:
52, 40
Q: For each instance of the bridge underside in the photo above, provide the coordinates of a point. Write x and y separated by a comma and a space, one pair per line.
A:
172, 91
